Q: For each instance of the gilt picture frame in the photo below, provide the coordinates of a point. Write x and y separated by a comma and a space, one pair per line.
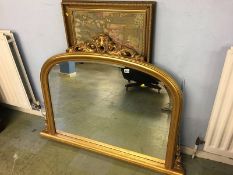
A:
129, 23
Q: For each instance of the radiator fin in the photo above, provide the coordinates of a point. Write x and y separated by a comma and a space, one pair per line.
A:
13, 89
219, 137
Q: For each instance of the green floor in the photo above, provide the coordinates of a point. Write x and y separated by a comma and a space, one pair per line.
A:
37, 155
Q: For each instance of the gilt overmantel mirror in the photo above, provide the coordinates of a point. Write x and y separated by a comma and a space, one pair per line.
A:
94, 110
114, 103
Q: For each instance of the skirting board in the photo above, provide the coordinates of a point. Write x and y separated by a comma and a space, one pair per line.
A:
206, 155
29, 111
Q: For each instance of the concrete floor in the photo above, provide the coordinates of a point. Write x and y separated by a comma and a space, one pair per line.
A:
37, 155
97, 106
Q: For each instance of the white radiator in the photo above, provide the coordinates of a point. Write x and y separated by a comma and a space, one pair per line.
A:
219, 137
15, 89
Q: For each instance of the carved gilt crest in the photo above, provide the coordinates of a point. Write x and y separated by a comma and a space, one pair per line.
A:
104, 44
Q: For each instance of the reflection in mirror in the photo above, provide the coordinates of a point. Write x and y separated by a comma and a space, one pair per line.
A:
118, 106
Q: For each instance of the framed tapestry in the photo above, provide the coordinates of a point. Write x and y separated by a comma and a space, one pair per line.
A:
128, 23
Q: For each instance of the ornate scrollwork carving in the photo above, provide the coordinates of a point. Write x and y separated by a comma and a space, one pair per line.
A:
46, 125
178, 160
103, 43
43, 113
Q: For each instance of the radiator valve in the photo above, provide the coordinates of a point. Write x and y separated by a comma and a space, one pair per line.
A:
36, 105
197, 143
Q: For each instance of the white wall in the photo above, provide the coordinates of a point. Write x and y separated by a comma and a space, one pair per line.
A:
39, 30
191, 40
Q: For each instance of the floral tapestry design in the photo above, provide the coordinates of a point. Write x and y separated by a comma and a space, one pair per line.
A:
127, 28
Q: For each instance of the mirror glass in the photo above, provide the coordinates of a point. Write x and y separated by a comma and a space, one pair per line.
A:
114, 105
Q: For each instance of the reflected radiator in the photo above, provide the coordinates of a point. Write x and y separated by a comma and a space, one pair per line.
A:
15, 89
219, 137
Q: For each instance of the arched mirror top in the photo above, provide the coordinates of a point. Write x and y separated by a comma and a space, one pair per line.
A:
142, 66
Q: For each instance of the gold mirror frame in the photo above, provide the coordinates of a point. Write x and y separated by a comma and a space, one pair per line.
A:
172, 162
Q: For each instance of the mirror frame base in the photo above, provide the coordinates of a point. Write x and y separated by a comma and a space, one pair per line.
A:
142, 160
